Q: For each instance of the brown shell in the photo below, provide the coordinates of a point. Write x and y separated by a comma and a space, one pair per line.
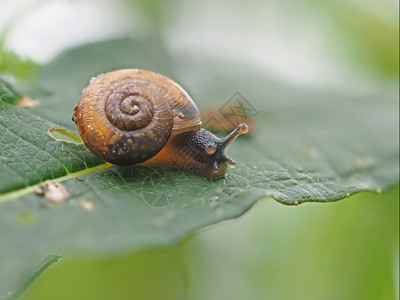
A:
127, 116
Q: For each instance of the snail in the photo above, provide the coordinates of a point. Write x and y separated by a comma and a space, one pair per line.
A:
134, 116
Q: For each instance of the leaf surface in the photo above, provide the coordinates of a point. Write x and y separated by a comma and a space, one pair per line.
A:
306, 146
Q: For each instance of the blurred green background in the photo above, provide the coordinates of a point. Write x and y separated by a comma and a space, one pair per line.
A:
342, 250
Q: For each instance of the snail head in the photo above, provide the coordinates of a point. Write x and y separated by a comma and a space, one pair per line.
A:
210, 148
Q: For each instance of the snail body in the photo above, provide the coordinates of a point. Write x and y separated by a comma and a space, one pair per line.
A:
134, 116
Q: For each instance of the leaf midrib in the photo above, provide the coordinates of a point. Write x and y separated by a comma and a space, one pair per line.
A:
13, 195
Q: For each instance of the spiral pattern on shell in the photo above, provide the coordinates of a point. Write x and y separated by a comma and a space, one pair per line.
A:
127, 116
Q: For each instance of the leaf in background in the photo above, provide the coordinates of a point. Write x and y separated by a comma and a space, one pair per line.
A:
306, 146
20, 68
8, 93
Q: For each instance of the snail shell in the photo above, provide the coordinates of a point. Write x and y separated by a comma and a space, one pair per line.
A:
127, 116
132, 116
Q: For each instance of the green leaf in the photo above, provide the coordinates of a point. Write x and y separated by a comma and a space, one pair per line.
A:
33, 275
8, 93
306, 146
30, 155
11, 63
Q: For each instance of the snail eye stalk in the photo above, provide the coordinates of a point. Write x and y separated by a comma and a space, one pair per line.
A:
231, 162
241, 129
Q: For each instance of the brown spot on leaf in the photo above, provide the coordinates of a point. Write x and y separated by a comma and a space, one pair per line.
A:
28, 102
